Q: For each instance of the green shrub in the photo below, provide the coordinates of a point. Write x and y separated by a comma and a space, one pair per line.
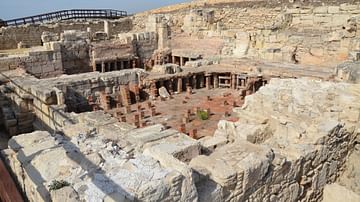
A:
203, 115
55, 185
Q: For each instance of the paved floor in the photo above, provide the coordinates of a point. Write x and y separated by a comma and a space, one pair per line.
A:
172, 111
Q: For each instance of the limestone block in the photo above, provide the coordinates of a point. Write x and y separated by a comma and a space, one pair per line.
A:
293, 10
333, 9
163, 92
188, 187
49, 37
348, 7
322, 19
178, 145
211, 143
340, 19
66, 194
317, 51
320, 10
296, 21
333, 191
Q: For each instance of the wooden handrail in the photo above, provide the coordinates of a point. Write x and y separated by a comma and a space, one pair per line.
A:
8, 189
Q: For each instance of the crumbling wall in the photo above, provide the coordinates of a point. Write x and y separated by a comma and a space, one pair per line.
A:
50, 99
305, 33
286, 146
75, 52
30, 35
39, 62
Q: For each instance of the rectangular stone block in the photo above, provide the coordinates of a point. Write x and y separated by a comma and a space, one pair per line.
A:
322, 19
348, 7
333, 9
320, 9
339, 19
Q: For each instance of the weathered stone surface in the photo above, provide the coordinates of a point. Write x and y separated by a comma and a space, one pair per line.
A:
333, 192
66, 194
163, 92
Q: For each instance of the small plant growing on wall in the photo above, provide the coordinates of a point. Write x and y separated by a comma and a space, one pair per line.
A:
55, 185
203, 115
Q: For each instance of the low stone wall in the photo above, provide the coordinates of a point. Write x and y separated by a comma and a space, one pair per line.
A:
40, 63
30, 35
49, 99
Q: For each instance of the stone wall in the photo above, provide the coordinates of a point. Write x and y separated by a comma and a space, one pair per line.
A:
51, 99
286, 146
30, 35
287, 151
306, 33
39, 62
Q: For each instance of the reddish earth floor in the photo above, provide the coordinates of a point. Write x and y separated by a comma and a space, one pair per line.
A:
171, 112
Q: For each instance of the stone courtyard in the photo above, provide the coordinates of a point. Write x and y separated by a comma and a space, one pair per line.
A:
221, 100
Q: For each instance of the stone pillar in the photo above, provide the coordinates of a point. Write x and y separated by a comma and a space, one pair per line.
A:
181, 61
171, 86
173, 59
233, 81
153, 90
133, 64
207, 82
107, 28
121, 65
102, 66
194, 81
115, 65
163, 35
216, 81
179, 86
242, 82
60, 97
201, 77
94, 66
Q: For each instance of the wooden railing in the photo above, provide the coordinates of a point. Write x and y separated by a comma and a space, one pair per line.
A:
8, 190
66, 15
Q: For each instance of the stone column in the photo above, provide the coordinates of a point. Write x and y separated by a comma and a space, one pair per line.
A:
107, 28
60, 97
233, 81
94, 66
181, 61
179, 86
153, 90
201, 77
102, 66
242, 82
216, 81
208, 82
115, 65
194, 82
171, 86
173, 59
121, 65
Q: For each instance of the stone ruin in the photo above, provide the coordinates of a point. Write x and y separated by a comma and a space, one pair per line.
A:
202, 101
